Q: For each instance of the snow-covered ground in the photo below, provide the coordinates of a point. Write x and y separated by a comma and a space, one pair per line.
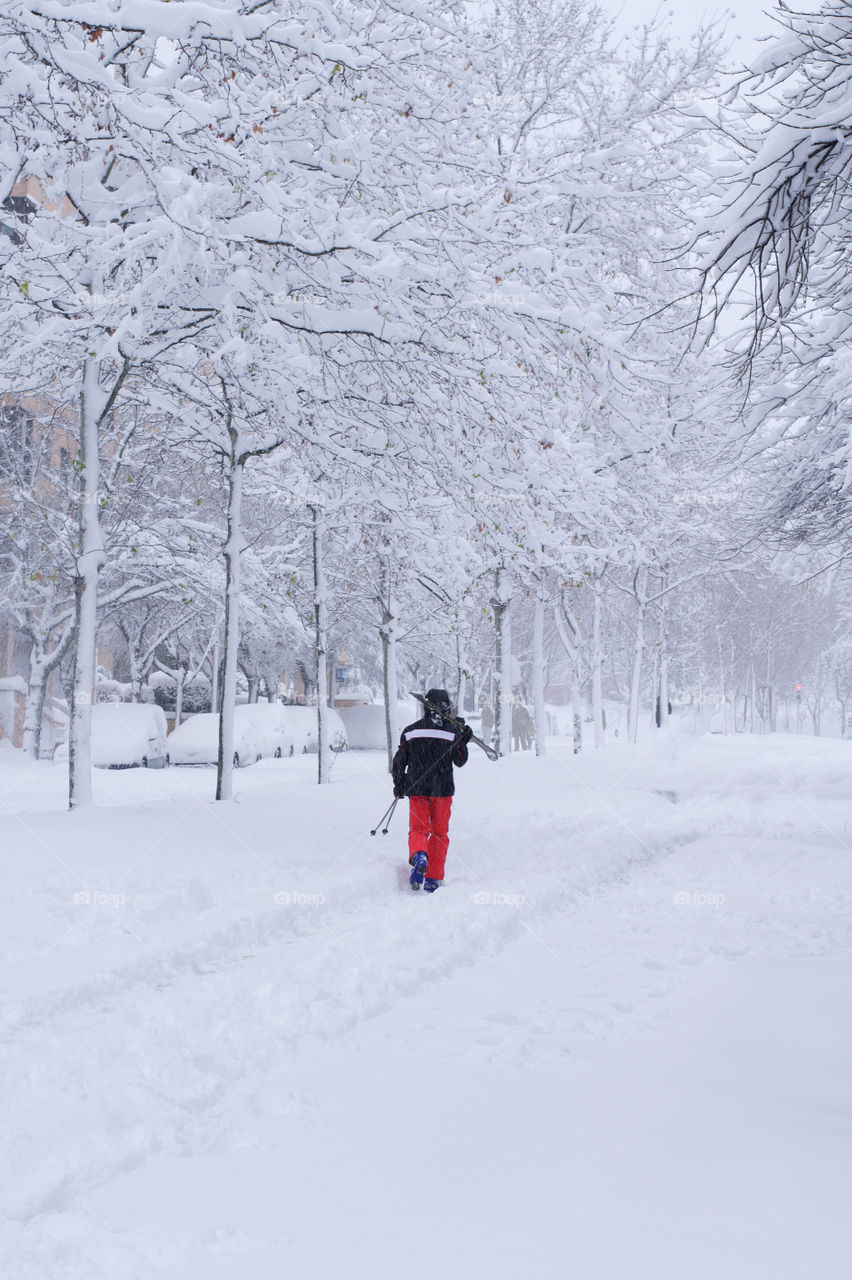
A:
615, 1045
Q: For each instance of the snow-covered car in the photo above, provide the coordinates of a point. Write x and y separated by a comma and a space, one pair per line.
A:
302, 725
196, 741
126, 735
269, 721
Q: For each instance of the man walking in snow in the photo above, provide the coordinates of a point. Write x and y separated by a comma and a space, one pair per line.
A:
423, 771
520, 719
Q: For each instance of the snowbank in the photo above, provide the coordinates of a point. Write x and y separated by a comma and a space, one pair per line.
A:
365, 726
13, 691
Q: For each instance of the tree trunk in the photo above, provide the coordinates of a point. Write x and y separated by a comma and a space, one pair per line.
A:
41, 667
664, 664
568, 628
90, 561
655, 688
539, 716
387, 631
214, 675
817, 707
321, 646
577, 717
597, 670
34, 711
135, 674
503, 668
638, 654
461, 675
722, 684
233, 564
181, 676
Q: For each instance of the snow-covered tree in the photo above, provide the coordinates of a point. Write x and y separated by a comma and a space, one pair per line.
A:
775, 246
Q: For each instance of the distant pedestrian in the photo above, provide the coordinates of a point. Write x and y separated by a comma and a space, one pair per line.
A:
487, 722
522, 726
527, 727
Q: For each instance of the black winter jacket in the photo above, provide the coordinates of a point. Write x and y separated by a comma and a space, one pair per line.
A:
423, 765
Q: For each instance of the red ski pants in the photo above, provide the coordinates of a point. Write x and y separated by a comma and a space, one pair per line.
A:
428, 823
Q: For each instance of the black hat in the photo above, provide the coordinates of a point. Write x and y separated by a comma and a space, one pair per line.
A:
439, 698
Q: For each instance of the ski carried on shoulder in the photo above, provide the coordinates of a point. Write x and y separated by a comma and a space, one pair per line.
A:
459, 724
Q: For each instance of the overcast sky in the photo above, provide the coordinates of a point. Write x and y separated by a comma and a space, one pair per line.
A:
746, 22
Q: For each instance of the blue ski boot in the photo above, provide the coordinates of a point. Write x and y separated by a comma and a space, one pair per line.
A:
418, 863
429, 886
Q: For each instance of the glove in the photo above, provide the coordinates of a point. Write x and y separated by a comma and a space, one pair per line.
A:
398, 793
466, 733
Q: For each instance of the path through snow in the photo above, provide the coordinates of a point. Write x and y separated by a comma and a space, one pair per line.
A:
614, 1045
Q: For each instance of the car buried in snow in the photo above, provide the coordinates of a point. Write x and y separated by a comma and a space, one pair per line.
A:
302, 725
269, 721
196, 741
126, 735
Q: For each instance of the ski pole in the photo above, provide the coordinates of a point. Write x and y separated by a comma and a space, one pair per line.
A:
388, 814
